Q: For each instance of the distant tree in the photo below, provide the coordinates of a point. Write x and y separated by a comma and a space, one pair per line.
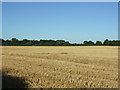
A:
34, 42
29, 43
98, 43
25, 42
85, 43
66, 43
115, 43
14, 42
88, 43
7, 43
106, 42
14, 39
60, 42
1, 41
91, 43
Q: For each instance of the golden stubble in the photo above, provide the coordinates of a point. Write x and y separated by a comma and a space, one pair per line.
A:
63, 66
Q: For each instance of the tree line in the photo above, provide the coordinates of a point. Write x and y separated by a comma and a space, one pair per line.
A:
26, 42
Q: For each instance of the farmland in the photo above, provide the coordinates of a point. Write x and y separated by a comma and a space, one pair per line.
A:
62, 66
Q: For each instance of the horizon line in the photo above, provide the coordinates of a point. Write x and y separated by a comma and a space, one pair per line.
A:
64, 40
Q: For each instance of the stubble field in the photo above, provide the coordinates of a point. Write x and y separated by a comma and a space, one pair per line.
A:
62, 66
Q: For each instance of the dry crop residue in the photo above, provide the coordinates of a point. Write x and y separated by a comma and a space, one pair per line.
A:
63, 66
